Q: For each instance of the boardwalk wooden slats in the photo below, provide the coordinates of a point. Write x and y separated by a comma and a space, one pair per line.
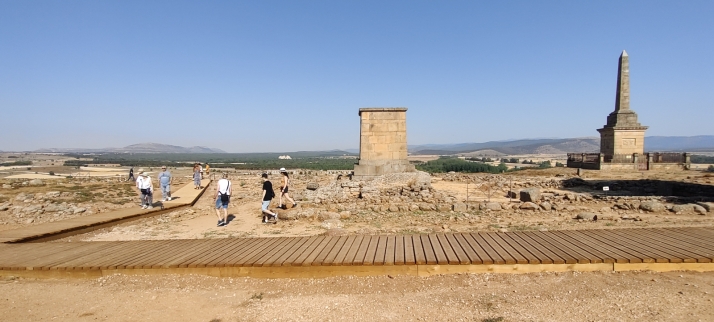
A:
390, 252
438, 249
534, 244
477, 242
672, 246
475, 255
508, 248
458, 251
614, 253
633, 255
338, 253
588, 248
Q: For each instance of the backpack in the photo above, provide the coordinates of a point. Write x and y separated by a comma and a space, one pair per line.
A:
225, 197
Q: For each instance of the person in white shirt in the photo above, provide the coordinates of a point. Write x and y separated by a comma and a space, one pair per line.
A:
146, 190
223, 197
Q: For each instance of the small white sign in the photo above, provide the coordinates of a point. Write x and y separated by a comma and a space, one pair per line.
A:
605, 188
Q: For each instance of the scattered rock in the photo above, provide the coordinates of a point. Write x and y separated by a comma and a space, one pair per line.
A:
312, 186
678, 209
493, 206
529, 206
79, 210
460, 207
530, 195
332, 224
545, 206
328, 215
6, 186
706, 205
335, 232
652, 206
699, 210
36, 182
29, 221
589, 216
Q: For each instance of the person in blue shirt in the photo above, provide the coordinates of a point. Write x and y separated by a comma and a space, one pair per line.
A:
165, 180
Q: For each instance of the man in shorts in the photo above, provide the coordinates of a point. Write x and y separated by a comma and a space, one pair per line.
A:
223, 197
268, 195
165, 180
146, 190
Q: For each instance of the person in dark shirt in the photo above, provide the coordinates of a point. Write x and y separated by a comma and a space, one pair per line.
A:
131, 174
268, 195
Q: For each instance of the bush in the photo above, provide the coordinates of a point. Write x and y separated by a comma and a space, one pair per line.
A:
710, 168
52, 173
558, 164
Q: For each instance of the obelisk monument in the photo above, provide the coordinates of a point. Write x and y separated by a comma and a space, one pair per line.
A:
622, 134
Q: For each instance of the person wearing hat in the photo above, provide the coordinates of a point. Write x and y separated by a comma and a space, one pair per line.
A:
284, 189
146, 190
196, 176
268, 195
165, 180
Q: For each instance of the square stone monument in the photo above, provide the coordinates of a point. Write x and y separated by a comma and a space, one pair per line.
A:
383, 142
622, 134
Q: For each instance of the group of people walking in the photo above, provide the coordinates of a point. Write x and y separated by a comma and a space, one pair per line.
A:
223, 191
146, 186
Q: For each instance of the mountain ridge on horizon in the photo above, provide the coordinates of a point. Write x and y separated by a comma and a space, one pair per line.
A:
699, 143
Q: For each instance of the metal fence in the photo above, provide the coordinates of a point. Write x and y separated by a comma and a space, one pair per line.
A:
619, 158
584, 157
660, 157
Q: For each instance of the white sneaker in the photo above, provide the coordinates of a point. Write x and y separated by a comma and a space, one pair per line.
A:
170, 198
150, 207
143, 207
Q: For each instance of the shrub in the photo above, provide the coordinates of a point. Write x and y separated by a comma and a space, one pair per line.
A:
710, 168
52, 173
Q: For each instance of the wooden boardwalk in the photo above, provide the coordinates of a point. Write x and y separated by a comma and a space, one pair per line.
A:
660, 249
185, 196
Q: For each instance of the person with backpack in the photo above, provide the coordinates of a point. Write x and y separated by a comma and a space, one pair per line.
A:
268, 195
223, 197
146, 190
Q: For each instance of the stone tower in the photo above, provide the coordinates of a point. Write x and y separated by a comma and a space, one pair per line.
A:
383, 142
622, 134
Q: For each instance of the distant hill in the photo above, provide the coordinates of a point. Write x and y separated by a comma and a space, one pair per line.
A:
545, 146
138, 148
702, 143
165, 148
699, 143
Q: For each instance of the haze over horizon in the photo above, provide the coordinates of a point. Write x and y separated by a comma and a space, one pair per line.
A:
286, 76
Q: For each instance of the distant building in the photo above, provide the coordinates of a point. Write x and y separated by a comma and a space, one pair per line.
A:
285, 157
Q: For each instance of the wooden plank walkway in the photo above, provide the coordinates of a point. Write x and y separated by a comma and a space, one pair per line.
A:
184, 196
317, 256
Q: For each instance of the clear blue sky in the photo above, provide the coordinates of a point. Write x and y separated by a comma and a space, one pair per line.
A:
277, 76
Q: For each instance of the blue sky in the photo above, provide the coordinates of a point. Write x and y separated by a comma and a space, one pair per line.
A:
273, 76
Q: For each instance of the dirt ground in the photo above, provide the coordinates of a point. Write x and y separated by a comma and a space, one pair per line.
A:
571, 296
245, 217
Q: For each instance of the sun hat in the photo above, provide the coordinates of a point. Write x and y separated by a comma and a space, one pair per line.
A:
283, 170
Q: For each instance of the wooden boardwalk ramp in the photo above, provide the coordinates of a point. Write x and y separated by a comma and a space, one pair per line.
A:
185, 196
660, 249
